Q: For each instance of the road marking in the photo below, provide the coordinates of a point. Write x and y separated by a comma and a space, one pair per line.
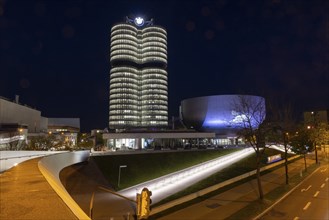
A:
307, 205
327, 179
323, 185
296, 218
323, 170
303, 190
316, 194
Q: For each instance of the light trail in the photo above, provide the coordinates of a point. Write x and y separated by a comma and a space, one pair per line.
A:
280, 147
172, 183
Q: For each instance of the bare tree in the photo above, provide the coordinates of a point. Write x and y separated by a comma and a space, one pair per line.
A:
322, 136
302, 143
284, 124
318, 132
250, 113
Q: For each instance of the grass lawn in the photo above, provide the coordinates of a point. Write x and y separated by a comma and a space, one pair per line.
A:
144, 167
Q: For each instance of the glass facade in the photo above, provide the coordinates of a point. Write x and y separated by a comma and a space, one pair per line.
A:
138, 76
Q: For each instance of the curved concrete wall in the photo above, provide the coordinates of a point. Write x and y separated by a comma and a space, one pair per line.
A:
51, 166
8, 159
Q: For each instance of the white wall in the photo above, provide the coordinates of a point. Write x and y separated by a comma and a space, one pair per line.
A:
11, 112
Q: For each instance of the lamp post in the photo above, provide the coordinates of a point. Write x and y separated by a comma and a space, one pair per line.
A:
121, 166
315, 134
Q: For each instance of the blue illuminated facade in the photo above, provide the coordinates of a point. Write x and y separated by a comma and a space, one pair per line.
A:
217, 113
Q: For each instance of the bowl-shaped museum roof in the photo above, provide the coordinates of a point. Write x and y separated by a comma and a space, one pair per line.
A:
216, 113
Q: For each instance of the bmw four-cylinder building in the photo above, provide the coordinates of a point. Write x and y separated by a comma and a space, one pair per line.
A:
138, 76
138, 99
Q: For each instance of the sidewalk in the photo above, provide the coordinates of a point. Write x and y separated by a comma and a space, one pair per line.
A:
227, 203
26, 194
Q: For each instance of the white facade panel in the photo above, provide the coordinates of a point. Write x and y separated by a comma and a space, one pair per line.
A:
11, 113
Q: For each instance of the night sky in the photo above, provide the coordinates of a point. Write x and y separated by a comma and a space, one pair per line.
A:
54, 54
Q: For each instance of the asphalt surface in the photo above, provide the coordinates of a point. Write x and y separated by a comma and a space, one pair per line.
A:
310, 200
224, 205
26, 194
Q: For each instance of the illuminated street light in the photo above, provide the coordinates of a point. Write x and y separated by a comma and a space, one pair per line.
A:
121, 166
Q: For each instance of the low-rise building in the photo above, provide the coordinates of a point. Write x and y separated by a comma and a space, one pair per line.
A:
20, 123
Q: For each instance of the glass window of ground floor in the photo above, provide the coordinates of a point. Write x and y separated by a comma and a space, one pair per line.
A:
170, 143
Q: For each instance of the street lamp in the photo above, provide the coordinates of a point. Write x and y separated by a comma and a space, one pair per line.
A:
315, 126
121, 166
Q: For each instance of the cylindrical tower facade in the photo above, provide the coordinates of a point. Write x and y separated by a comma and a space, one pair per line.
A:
138, 76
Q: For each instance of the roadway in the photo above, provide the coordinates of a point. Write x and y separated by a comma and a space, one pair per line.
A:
225, 204
310, 200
